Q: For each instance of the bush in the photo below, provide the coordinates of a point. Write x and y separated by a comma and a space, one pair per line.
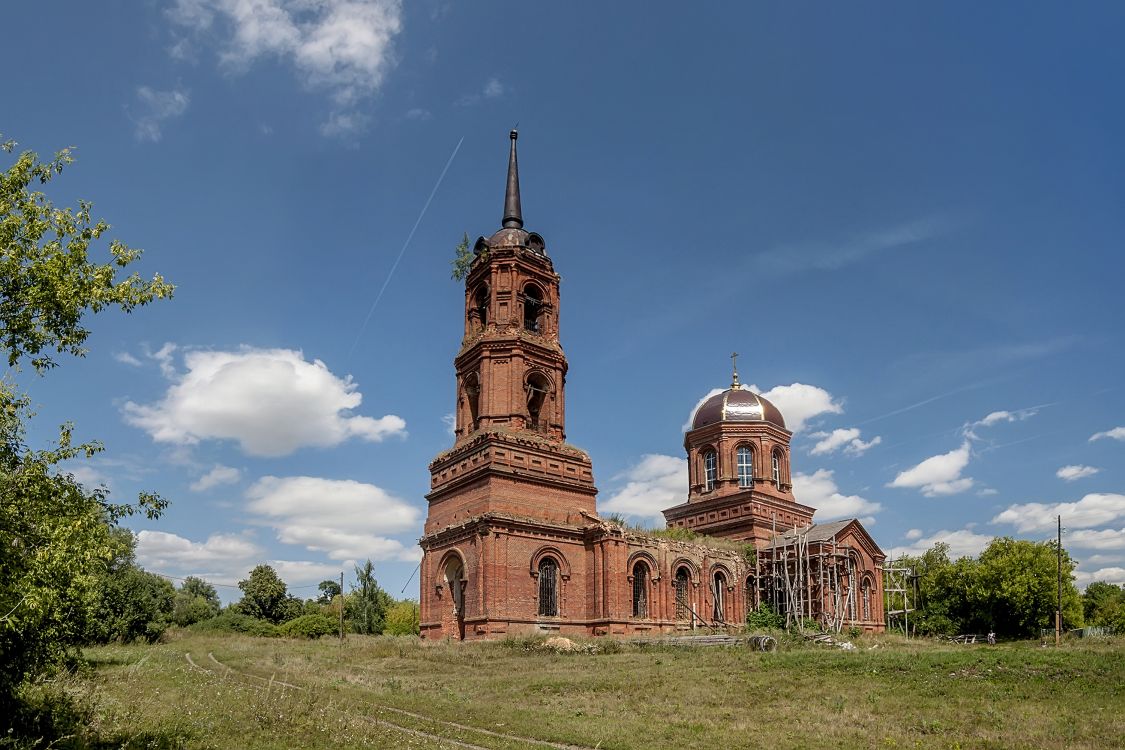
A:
764, 617
309, 626
402, 619
188, 610
236, 622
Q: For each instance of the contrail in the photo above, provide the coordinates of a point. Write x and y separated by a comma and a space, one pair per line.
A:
405, 245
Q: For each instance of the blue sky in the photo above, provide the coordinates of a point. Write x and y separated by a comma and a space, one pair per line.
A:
907, 219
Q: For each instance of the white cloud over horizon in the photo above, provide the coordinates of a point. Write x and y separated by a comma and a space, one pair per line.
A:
652, 484
819, 490
270, 401
962, 543
342, 518
1095, 509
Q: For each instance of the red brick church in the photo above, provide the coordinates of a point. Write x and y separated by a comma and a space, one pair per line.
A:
513, 541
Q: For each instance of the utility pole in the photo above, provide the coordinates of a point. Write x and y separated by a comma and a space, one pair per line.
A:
341, 606
1058, 607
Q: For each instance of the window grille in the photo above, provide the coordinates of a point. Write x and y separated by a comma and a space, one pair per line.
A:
710, 470
683, 580
745, 467
867, 600
548, 588
851, 603
751, 591
640, 591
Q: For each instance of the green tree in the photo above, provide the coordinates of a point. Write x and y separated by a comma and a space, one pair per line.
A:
462, 259
55, 541
196, 601
47, 280
366, 606
329, 590
265, 596
1103, 604
402, 619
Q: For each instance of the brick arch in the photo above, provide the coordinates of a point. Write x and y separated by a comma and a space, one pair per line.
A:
691, 565
554, 553
451, 554
647, 559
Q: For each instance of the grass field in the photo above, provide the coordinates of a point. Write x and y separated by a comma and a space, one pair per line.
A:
234, 691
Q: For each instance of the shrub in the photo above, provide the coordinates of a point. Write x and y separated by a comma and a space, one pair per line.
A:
309, 626
236, 622
764, 617
402, 619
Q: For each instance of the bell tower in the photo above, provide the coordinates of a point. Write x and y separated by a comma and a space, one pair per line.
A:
509, 453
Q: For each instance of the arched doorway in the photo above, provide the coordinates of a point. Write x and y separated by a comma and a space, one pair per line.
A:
454, 575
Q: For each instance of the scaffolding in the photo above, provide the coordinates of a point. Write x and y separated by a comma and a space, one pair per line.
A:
808, 581
900, 593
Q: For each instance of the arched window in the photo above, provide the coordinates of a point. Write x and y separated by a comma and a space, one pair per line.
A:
537, 388
851, 602
710, 470
745, 466
480, 305
532, 307
683, 582
472, 396
548, 587
719, 596
640, 590
777, 469
866, 599
751, 593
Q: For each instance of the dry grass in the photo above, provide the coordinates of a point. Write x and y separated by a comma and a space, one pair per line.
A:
900, 694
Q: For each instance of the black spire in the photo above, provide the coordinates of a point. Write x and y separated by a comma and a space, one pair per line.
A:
513, 215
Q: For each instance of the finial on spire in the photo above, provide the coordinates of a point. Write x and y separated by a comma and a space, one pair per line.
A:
513, 214
734, 384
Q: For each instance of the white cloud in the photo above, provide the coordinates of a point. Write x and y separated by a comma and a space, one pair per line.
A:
271, 401
913, 534
307, 572
799, 403
418, 113
126, 358
163, 358
156, 108
1075, 471
656, 482
493, 89
87, 476
450, 422
1095, 509
819, 490
161, 552
848, 439
1117, 433
218, 475
1102, 539
962, 543
987, 492
344, 47
344, 124
793, 258
1112, 575
998, 417
344, 519
938, 475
